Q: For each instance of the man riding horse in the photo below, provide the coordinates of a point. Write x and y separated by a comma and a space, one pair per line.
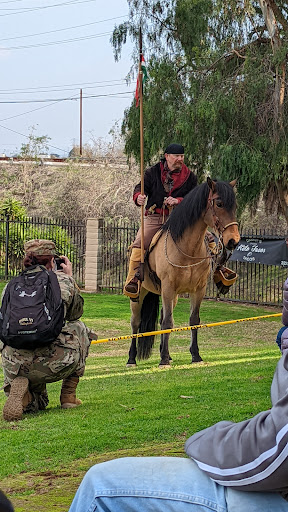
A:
165, 185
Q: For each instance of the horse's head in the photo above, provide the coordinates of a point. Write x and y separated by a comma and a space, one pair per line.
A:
220, 212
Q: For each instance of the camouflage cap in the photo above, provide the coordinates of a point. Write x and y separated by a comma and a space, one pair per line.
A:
40, 247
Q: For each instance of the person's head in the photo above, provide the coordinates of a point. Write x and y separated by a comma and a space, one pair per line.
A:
174, 156
39, 252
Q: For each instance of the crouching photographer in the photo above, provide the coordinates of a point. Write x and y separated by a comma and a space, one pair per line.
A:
43, 338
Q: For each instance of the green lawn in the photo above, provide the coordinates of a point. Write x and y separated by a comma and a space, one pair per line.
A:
143, 410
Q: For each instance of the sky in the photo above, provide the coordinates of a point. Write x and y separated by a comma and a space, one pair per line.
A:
49, 50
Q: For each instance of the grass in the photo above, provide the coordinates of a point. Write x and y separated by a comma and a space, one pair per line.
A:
138, 411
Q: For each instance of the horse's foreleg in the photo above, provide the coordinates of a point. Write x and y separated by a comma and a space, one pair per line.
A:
166, 323
132, 354
135, 322
195, 320
161, 343
164, 350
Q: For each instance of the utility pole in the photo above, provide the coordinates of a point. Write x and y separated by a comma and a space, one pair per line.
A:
80, 122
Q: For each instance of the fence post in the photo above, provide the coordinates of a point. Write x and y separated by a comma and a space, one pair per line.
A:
93, 266
7, 247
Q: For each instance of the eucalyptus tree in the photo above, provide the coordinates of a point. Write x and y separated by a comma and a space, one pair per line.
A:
217, 84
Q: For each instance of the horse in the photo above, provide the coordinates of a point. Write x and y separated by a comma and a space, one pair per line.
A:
179, 261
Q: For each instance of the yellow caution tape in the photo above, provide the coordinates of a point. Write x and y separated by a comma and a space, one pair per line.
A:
188, 328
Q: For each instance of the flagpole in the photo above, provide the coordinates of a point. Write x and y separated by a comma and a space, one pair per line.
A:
141, 152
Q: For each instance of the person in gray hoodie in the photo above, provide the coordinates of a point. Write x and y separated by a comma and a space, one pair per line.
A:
284, 330
231, 467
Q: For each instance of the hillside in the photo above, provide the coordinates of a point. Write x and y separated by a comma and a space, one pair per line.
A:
72, 190
102, 188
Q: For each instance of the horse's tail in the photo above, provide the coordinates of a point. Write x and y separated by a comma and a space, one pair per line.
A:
149, 318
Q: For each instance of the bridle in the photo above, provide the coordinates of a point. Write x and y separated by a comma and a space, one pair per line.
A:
217, 223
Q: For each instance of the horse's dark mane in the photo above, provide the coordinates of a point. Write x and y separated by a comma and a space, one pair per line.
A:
194, 203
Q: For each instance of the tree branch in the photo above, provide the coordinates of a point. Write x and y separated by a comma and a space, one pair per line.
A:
278, 15
239, 55
230, 55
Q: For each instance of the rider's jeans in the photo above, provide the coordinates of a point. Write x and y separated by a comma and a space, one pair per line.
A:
163, 484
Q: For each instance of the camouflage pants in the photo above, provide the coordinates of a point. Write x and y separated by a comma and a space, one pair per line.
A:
63, 358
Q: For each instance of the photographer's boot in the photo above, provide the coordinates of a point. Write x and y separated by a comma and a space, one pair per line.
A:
133, 284
68, 398
18, 399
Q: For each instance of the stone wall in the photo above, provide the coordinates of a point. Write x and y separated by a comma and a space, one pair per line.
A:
93, 267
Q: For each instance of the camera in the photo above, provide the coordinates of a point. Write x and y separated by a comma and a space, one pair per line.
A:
58, 262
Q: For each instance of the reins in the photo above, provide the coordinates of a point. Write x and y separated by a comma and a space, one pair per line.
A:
220, 244
192, 257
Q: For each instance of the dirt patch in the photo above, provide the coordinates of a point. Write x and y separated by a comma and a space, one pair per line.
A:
50, 491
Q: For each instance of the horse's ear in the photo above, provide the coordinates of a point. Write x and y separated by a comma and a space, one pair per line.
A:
211, 184
233, 183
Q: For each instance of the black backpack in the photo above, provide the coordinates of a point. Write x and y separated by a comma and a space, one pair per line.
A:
32, 311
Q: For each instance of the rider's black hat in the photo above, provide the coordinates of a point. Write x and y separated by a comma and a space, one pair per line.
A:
174, 149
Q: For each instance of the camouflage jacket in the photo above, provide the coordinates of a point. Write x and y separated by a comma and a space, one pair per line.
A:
71, 297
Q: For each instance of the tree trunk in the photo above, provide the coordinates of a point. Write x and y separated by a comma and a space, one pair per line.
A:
269, 8
283, 197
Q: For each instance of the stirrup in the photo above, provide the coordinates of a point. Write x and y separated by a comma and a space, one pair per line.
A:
131, 294
225, 275
224, 278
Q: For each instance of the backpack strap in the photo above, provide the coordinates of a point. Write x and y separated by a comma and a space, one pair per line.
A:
5, 298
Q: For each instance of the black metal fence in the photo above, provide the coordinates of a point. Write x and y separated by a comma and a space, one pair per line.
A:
116, 237
69, 237
256, 283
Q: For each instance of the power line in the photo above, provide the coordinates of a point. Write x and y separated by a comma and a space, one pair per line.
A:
11, 2
52, 43
24, 9
27, 137
29, 9
75, 98
112, 95
83, 85
67, 89
64, 99
29, 112
61, 29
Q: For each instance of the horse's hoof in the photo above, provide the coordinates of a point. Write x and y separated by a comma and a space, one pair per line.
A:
131, 365
164, 365
196, 361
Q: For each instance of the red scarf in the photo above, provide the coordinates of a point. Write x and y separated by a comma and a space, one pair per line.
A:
172, 180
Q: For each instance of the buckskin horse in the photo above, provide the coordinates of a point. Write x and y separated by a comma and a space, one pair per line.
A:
179, 261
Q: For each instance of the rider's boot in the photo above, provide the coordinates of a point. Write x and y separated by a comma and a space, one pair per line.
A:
132, 284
